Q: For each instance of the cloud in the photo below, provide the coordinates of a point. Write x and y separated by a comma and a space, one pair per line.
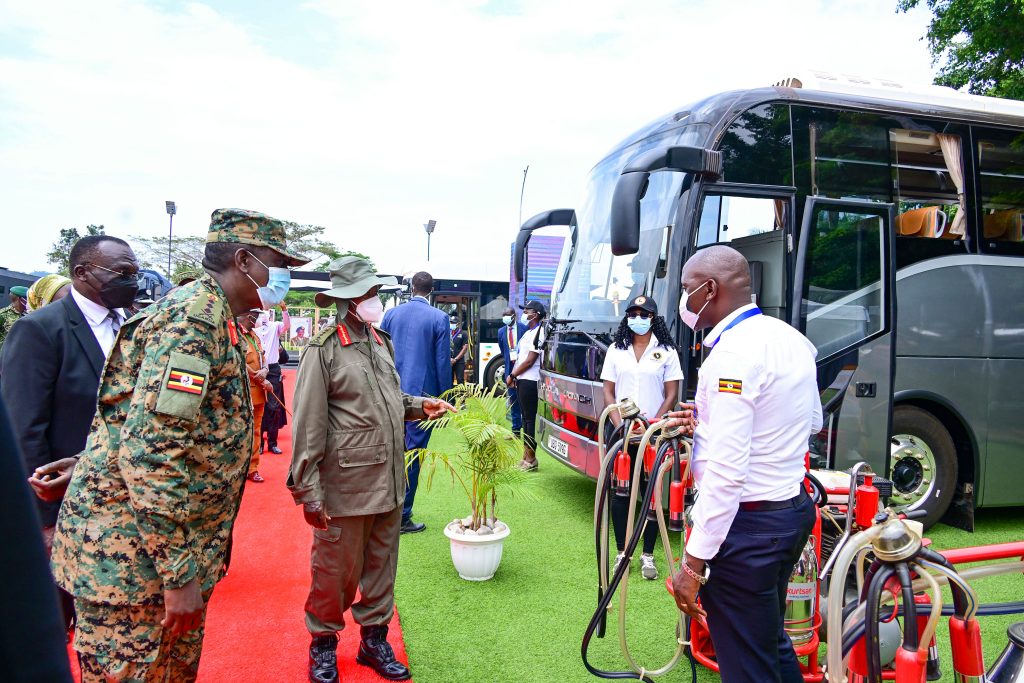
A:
370, 118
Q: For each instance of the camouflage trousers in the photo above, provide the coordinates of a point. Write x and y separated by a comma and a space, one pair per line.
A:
126, 644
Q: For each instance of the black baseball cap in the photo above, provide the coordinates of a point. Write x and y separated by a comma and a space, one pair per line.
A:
537, 306
644, 303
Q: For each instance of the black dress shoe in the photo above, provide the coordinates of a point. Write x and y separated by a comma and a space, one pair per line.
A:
275, 450
411, 527
376, 653
323, 660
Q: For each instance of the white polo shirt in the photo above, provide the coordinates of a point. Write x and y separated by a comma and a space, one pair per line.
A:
757, 404
642, 380
527, 344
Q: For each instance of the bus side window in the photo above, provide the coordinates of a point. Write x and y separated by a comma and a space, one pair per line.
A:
1001, 191
726, 218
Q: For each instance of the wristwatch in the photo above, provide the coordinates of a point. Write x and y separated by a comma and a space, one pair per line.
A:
694, 575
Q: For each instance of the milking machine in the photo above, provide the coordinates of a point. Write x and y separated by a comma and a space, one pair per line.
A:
882, 580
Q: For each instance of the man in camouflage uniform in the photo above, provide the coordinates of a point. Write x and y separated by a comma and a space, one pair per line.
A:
142, 533
10, 314
348, 471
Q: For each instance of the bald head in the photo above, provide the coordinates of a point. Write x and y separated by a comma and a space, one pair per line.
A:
723, 275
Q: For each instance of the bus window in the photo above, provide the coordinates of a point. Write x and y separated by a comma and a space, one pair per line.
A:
841, 154
725, 218
842, 293
1001, 191
756, 147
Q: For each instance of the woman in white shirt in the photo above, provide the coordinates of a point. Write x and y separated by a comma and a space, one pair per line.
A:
642, 364
525, 376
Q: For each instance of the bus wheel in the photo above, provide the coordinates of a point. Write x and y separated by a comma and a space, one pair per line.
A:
922, 464
494, 373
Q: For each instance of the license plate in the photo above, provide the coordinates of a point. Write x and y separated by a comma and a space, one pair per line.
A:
558, 447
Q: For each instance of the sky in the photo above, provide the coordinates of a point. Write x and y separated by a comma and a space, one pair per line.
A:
369, 117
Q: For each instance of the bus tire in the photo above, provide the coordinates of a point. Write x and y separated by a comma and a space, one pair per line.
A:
922, 465
494, 368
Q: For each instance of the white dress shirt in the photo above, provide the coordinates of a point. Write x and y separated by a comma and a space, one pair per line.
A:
526, 345
757, 403
642, 380
270, 338
99, 321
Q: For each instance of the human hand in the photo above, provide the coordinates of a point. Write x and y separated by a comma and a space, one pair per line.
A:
685, 417
183, 609
50, 481
262, 374
435, 407
267, 386
453, 361
315, 514
510, 381
685, 587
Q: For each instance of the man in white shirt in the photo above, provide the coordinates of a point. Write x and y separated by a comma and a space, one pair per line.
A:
756, 405
271, 334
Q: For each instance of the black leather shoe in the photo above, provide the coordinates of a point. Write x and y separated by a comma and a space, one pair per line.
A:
411, 527
323, 660
275, 450
376, 653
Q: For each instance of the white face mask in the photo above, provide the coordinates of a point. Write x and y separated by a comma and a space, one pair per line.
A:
508, 319
370, 310
688, 317
525, 318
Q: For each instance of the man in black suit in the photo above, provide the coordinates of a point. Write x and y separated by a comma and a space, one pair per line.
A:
51, 362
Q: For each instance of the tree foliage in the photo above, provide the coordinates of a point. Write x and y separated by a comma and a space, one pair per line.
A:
979, 43
60, 252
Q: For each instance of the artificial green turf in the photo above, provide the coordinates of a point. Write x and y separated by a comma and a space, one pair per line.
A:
527, 623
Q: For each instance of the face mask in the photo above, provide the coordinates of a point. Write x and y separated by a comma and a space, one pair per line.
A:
525, 318
508, 320
638, 278
370, 310
688, 317
279, 282
119, 292
452, 326
639, 325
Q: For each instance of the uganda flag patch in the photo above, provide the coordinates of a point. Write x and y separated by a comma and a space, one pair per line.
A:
183, 380
730, 386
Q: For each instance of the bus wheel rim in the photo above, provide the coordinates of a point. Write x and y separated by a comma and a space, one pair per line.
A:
912, 470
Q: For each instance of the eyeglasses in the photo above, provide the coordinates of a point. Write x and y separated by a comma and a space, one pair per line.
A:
126, 273
639, 314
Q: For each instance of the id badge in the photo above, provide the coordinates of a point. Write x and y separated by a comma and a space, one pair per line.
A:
513, 356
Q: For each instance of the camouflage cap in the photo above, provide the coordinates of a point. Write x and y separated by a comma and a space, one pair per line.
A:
252, 227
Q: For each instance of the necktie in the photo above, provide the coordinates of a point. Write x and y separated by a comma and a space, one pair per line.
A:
115, 322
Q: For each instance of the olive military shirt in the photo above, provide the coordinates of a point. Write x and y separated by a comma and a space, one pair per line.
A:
348, 434
155, 493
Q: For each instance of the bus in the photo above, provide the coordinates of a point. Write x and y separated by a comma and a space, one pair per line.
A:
852, 200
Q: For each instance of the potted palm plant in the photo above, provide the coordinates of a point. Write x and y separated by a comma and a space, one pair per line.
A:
483, 463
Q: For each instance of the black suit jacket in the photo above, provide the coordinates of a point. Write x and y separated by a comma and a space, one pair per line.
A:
49, 376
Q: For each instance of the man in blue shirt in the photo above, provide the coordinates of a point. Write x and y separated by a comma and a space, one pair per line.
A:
508, 337
421, 338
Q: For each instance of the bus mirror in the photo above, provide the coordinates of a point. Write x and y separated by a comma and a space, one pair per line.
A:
697, 160
541, 220
625, 214
520, 254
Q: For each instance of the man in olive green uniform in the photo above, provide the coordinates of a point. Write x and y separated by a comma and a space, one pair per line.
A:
348, 470
10, 314
141, 535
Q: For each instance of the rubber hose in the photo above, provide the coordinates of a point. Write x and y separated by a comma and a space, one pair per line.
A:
960, 599
873, 602
910, 634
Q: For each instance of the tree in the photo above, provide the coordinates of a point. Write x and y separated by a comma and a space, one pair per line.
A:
60, 252
980, 44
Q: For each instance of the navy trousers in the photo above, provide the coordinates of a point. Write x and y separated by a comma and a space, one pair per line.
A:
414, 438
745, 596
515, 410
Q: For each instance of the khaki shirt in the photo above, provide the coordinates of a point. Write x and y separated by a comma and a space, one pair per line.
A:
155, 493
348, 433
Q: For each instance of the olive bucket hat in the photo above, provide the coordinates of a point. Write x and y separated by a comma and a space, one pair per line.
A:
351, 276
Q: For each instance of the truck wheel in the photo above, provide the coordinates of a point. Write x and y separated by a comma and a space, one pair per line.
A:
922, 464
493, 373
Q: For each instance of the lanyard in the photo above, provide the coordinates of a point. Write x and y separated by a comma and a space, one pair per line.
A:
749, 313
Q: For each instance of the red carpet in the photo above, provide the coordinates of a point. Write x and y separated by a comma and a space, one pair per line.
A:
254, 627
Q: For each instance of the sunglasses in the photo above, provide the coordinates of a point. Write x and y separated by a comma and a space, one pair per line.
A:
639, 314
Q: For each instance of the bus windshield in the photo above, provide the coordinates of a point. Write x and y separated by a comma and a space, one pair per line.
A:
598, 285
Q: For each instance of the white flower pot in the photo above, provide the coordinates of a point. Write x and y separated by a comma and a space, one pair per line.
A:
476, 558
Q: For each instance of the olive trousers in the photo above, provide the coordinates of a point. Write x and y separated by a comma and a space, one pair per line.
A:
353, 553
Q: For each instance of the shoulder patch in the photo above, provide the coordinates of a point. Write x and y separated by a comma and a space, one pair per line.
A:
321, 337
184, 386
207, 309
730, 386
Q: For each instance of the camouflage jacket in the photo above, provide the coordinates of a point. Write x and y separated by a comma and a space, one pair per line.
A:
155, 493
348, 436
8, 316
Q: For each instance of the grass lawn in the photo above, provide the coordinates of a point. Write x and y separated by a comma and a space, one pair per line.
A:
526, 624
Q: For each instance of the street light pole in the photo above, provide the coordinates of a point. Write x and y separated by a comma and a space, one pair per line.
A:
171, 210
522, 191
429, 227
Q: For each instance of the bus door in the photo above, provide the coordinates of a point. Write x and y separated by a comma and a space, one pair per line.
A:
466, 307
843, 300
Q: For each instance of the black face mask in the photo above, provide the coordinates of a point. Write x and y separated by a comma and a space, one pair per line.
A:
119, 292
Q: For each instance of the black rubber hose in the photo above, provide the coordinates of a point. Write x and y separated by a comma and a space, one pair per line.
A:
605, 491
874, 598
960, 600
689, 653
613, 585
822, 498
911, 638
